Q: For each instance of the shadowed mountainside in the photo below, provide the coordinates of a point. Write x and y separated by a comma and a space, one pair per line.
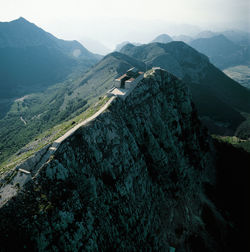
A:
221, 51
32, 59
218, 98
143, 168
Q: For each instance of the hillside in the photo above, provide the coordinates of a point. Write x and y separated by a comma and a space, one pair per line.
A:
137, 176
60, 102
32, 60
218, 98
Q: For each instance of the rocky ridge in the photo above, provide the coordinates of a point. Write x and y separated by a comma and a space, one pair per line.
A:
132, 178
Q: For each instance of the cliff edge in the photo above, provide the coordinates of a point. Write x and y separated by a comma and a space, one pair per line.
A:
129, 180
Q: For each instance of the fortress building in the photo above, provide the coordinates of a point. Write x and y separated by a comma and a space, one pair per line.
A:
129, 79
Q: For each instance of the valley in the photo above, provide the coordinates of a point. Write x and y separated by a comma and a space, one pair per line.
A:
240, 73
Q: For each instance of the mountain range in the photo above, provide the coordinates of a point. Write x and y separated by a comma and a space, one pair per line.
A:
32, 60
220, 100
221, 51
225, 49
142, 168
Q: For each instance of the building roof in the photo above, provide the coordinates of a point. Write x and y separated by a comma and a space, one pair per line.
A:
121, 77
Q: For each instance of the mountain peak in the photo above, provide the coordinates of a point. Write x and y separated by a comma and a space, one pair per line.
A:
163, 38
21, 20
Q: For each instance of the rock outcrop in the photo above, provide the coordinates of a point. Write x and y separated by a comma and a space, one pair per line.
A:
130, 180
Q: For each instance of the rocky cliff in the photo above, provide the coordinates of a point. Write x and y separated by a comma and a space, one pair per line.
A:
130, 180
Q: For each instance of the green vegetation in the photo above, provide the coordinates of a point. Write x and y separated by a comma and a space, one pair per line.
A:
234, 141
51, 135
61, 102
243, 131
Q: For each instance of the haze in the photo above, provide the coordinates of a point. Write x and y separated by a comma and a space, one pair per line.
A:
101, 24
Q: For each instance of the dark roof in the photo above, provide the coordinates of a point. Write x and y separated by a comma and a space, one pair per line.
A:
130, 80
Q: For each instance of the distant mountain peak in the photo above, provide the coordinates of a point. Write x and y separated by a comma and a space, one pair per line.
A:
163, 38
21, 20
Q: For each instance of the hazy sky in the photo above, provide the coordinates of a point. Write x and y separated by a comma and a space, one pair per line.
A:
113, 21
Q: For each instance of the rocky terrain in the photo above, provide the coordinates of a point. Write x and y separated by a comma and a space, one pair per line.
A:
131, 180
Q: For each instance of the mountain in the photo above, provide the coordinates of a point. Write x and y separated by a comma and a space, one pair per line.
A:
32, 59
221, 51
238, 37
206, 34
218, 98
139, 175
163, 38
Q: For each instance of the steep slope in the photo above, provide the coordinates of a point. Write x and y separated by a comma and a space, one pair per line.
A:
63, 101
32, 59
221, 51
132, 178
163, 38
209, 86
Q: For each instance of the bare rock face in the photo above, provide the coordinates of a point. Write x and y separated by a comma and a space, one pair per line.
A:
131, 180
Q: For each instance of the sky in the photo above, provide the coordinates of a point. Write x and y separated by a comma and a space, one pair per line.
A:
106, 23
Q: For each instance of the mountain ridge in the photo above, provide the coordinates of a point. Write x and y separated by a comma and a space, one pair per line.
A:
194, 69
102, 178
143, 168
32, 59
221, 51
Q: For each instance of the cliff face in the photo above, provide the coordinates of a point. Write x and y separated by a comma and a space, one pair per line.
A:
129, 180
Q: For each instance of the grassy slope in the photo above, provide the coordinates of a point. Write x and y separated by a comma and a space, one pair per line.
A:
60, 102
50, 135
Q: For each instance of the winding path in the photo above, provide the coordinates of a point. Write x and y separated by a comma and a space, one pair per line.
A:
23, 120
71, 131
30, 168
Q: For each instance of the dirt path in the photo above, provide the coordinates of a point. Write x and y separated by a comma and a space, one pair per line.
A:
30, 168
70, 132
23, 120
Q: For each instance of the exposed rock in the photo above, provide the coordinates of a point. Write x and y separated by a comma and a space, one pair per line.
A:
130, 180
